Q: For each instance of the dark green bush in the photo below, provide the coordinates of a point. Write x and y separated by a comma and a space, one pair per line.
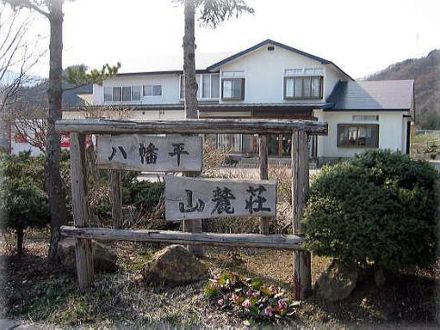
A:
378, 208
23, 202
144, 195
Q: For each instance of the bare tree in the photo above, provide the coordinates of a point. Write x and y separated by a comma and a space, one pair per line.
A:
15, 54
31, 124
53, 11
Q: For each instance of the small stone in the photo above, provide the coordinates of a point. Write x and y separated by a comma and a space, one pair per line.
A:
172, 266
337, 282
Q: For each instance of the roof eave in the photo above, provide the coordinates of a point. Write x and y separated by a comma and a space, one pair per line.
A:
152, 73
382, 109
215, 66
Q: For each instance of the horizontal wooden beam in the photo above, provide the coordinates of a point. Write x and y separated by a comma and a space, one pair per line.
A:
281, 242
191, 126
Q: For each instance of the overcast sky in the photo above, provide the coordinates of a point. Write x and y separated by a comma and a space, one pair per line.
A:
360, 36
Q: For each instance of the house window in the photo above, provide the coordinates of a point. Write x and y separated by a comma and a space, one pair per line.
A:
303, 83
208, 86
117, 94
358, 136
152, 90
108, 94
233, 89
303, 87
126, 94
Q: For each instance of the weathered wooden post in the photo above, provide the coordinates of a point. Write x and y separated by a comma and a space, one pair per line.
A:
83, 248
302, 273
193, 225
116, 197
264, 175
190, 199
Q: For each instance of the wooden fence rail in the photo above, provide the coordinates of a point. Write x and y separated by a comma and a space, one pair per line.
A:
191, 126
282, 242
299, 130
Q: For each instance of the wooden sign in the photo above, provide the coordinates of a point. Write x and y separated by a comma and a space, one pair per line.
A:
195, 198
152, 153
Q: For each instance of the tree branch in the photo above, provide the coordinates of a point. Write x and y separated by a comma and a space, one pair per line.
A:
27, 4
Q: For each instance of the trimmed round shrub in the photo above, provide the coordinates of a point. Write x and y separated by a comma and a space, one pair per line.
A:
378, 208
23, 203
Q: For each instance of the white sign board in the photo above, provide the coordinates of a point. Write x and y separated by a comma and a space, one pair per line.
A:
195, 198
151, 153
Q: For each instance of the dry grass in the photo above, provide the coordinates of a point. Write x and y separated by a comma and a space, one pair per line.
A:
426, 146
35, 291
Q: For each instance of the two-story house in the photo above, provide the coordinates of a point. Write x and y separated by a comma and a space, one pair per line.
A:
272, 80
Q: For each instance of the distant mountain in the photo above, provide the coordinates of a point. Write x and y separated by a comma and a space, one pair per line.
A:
37, 95
27, 80
426, 73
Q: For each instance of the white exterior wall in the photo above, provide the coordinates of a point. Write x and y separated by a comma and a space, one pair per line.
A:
264, 73
16, 148
137, 115
332, 77
392, 131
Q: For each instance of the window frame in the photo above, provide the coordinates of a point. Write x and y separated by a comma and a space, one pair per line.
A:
200, 83
358, 125
302, 97
242, 91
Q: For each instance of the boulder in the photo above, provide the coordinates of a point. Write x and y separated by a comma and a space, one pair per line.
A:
172, 266
104, 259
338, 281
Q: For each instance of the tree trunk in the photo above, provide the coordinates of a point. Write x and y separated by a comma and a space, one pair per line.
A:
54, 185
4, 133
20, 235
189, 62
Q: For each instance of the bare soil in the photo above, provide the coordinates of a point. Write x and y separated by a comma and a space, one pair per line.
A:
37, 292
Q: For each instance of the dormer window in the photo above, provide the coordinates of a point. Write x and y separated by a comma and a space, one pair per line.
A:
304, 83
